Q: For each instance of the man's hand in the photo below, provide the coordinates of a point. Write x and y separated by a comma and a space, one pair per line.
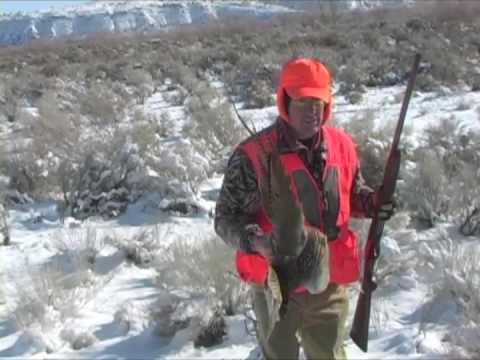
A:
386, 209
256, 241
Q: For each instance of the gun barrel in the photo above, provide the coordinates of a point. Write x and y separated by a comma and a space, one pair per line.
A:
406, 101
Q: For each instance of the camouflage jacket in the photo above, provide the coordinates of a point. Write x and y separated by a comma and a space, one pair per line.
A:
239, 198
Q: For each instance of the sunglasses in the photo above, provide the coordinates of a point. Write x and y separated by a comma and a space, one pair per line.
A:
307, 102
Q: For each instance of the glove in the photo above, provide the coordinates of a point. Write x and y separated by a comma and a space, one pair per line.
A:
386, 209
254, 240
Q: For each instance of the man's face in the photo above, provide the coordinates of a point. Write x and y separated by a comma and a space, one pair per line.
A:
306, 116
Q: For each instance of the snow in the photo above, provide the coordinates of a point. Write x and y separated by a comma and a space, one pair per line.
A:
109, 318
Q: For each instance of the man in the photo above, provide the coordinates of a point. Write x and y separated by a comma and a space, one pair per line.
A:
330, 189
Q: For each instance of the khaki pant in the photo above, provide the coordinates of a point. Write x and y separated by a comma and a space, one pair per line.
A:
318, 320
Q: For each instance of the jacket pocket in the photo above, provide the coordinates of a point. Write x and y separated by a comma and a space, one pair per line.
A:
344, 258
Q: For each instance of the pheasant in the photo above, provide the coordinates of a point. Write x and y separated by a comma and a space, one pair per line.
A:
300, 255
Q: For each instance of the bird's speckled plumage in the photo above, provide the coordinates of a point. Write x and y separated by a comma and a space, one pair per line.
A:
300, 253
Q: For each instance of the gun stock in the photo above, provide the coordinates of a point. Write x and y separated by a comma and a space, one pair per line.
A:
361, 320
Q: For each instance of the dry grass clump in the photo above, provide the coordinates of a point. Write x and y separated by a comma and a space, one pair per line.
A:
459, 280
203, 267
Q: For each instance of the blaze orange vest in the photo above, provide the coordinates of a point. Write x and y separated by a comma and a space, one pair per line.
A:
341, 155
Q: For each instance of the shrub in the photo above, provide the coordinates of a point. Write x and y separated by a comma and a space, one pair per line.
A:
142, 248
354, 97
51, 70
54, 129
81, 247
132, 316
101, 104
166, 125
78, 339
212, 333
213, 126
50, 293
142, 83
465, 198
372, 144
4, 227
463, 105
471, 221
429, 180
92, 163
106, 184
260, 95
177, 96
250, 77
427, 83
459, 280
44, 300
24, 173
169, 315
177, 168
143, 131
446, 66
202, 272
447, 163
182, 75
474, 81
351, 79
11, 97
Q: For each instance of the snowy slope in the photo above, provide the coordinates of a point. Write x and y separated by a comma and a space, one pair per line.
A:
110, 316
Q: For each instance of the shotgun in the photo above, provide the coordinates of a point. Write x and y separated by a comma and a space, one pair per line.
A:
361, 320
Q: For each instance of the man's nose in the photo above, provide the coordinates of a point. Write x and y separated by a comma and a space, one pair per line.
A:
312, 109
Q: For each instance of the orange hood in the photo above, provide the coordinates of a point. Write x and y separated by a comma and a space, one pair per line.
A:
304, 77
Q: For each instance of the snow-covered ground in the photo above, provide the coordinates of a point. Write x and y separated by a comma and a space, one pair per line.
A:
108, 316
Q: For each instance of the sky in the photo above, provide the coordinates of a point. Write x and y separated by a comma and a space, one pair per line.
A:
34, 5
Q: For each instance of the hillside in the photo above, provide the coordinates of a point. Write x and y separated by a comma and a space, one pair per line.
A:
150, 16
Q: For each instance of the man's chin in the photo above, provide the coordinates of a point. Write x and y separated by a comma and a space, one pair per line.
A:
308, 134
311, 130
